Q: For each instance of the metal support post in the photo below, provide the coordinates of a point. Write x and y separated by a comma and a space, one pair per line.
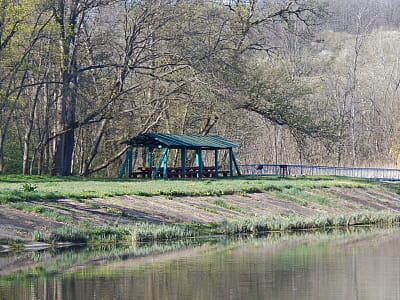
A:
183, 162
216, 163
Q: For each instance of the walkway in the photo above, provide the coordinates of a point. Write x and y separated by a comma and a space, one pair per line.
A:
298, 170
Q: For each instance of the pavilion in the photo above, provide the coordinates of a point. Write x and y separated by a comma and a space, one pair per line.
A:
184, 143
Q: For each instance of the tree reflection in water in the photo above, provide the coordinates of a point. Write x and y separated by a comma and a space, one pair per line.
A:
361, 263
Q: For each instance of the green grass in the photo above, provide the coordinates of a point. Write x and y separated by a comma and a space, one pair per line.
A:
46, 188
41, 211
295, 223
291, 196
301, 197
138, 232
223, 204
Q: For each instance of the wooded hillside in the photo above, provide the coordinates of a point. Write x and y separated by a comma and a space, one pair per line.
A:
294, 81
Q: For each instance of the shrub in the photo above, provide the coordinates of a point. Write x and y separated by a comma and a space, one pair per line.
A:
29, 187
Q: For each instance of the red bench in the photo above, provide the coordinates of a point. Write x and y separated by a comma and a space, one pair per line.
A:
176, 172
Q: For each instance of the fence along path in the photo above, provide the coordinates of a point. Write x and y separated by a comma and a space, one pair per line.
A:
297, 170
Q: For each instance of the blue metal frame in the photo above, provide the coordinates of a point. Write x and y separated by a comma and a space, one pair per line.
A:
149, 158
230, 162
161, 160
216, 166
235, 163
183, 162
165, 165
128, 162
199, 163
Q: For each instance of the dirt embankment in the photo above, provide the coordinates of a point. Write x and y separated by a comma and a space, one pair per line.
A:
19, 224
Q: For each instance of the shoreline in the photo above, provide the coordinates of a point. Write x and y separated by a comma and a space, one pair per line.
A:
237, 227
177, 209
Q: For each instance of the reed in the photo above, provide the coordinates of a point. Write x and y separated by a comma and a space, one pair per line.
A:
138, 232
264, 224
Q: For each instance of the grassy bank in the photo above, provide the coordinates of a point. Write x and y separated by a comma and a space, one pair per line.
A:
150, 232
20, 188
95, 214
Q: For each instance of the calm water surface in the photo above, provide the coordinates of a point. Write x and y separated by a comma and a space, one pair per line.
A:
357, 264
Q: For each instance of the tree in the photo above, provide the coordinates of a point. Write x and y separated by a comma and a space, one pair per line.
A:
120, 68
19, 33
70, 17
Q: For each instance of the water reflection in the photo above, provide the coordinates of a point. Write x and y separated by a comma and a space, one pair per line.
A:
363, 263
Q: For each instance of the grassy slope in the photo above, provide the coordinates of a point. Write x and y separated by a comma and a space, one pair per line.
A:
322, 194
11, 187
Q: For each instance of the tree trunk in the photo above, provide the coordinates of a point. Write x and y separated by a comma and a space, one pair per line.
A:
28, 132
70, 21
2, 140
94, 149
64, 144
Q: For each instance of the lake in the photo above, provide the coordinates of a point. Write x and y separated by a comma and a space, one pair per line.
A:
359, 263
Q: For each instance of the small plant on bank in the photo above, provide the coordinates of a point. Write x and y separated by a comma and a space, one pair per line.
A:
37, 236
29, 187
221, 203
38, 209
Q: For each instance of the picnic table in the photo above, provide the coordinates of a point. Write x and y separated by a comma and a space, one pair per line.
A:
176, 172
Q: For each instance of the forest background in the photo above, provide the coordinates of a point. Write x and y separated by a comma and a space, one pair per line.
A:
304, 82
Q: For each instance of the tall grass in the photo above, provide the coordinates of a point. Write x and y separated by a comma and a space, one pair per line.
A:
152, 232
262, 224
137, 232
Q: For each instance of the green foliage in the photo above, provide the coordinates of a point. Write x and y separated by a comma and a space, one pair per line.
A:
211, 77
37, 236
29, 187
207, 67
38, 209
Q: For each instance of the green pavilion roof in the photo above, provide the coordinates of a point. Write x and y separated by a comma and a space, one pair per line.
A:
157, 140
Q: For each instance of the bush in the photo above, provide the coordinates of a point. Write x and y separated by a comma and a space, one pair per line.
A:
29, 187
